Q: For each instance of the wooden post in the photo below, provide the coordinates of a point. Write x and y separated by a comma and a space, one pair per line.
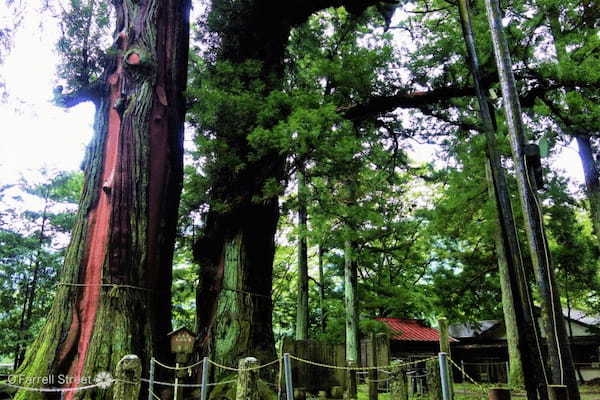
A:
372, 362
434, 385
351, 385
399, 385
558, 392
559, 351
498, 394
247, 380
127, 375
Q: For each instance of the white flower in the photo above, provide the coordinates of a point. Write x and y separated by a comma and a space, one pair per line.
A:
103, 379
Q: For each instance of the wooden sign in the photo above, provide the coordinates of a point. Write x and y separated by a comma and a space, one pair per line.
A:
182, 341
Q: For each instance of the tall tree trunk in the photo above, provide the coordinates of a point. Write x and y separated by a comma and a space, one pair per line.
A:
258, 31
559, 351
586, 154
516, 377
321, 290
351, 301
592, 179
114, 292
302, 306
32, 286
351, 312
523, 339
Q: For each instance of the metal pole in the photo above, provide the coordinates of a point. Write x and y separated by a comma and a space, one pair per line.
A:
204, 389
462, 370
444, 376
287, 366
176, 381
151, 380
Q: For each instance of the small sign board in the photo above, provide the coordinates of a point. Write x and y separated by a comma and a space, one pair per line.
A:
182, 341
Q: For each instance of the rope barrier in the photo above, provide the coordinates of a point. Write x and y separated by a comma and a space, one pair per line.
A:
155, 395
225, 367
190, 385
176, 368
395, 366
481, 388
246, 292
108, 285
367, 380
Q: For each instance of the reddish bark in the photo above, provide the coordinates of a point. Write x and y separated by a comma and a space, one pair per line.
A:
117, 275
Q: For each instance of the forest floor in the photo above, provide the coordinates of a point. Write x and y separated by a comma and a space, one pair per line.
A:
465, 391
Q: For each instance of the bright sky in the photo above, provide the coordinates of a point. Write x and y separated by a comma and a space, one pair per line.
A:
37, 134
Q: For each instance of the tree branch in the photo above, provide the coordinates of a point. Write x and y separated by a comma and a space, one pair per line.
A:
91, 93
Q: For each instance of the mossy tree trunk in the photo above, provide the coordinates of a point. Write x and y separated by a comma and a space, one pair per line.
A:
114, 296
521, 327
302, 303
560, 359
236, 250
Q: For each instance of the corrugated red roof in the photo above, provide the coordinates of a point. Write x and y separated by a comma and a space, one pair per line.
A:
411, 330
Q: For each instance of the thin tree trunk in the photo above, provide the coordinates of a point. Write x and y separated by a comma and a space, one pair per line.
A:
114, 293
32, 286
321, 290
522, 332
351, 301
509, 308
302, 296
351, 312
559, 352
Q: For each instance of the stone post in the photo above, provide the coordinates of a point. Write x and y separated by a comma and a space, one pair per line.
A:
127, 378
247, 380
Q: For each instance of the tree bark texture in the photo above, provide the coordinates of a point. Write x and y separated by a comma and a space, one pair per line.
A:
247, 30
592, 179
302, 296
522, 331
114, 295
559, 352
321, 290
351, 302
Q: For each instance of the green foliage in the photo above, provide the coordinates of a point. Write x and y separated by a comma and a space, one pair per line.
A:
35, 223
424, 233
85, 26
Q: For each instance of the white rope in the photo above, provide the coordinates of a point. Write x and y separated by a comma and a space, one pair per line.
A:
192, 385
176, 368
155, 395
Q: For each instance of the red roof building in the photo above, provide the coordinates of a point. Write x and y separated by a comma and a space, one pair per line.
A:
411, 330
